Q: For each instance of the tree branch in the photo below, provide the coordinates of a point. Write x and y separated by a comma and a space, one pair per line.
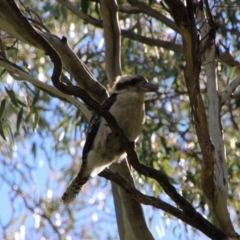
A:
227, 58
145, 8
80, 13
125, 33
112, 39
9, 23
229, 90
129, 214
19, 74
152, 42
218, 201
210, 230
192, 71
129, 9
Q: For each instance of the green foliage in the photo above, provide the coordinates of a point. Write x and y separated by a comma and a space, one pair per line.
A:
85, 5
2, 108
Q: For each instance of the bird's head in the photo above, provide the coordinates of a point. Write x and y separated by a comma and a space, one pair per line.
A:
133, 83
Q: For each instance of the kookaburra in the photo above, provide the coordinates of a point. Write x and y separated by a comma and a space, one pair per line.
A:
102, 147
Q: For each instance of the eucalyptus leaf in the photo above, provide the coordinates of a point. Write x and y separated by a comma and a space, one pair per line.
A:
2, 107
19, 119
12, 96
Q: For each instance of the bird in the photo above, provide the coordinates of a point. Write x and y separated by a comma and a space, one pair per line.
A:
102, 147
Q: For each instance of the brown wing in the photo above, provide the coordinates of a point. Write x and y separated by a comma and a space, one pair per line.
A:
94, 126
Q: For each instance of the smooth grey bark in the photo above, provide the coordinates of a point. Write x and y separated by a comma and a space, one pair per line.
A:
82, 75
218, 202
130, 217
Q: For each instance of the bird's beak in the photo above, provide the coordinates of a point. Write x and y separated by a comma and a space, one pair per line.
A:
148, 87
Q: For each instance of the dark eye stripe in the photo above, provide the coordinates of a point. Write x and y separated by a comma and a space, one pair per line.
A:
131, 82
135, 81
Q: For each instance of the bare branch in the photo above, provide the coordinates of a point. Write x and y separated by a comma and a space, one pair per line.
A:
80, 13
77, 68
125, 33
185, 20
227, 58
153, 42
112, 39
218, 201
129, 9
229, 90
9, 23
145, 8
19, 74
192, 71
209, 229
129, 214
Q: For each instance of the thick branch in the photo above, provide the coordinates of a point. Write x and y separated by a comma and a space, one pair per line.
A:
218, 202
192, 71
185, 20
18, 73
10, 24
210, 231
129, 214
112, 39
77, 68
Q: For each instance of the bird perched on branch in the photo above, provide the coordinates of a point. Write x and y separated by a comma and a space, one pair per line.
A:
102, 147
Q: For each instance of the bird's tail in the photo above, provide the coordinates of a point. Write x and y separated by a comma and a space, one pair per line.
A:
74, 188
